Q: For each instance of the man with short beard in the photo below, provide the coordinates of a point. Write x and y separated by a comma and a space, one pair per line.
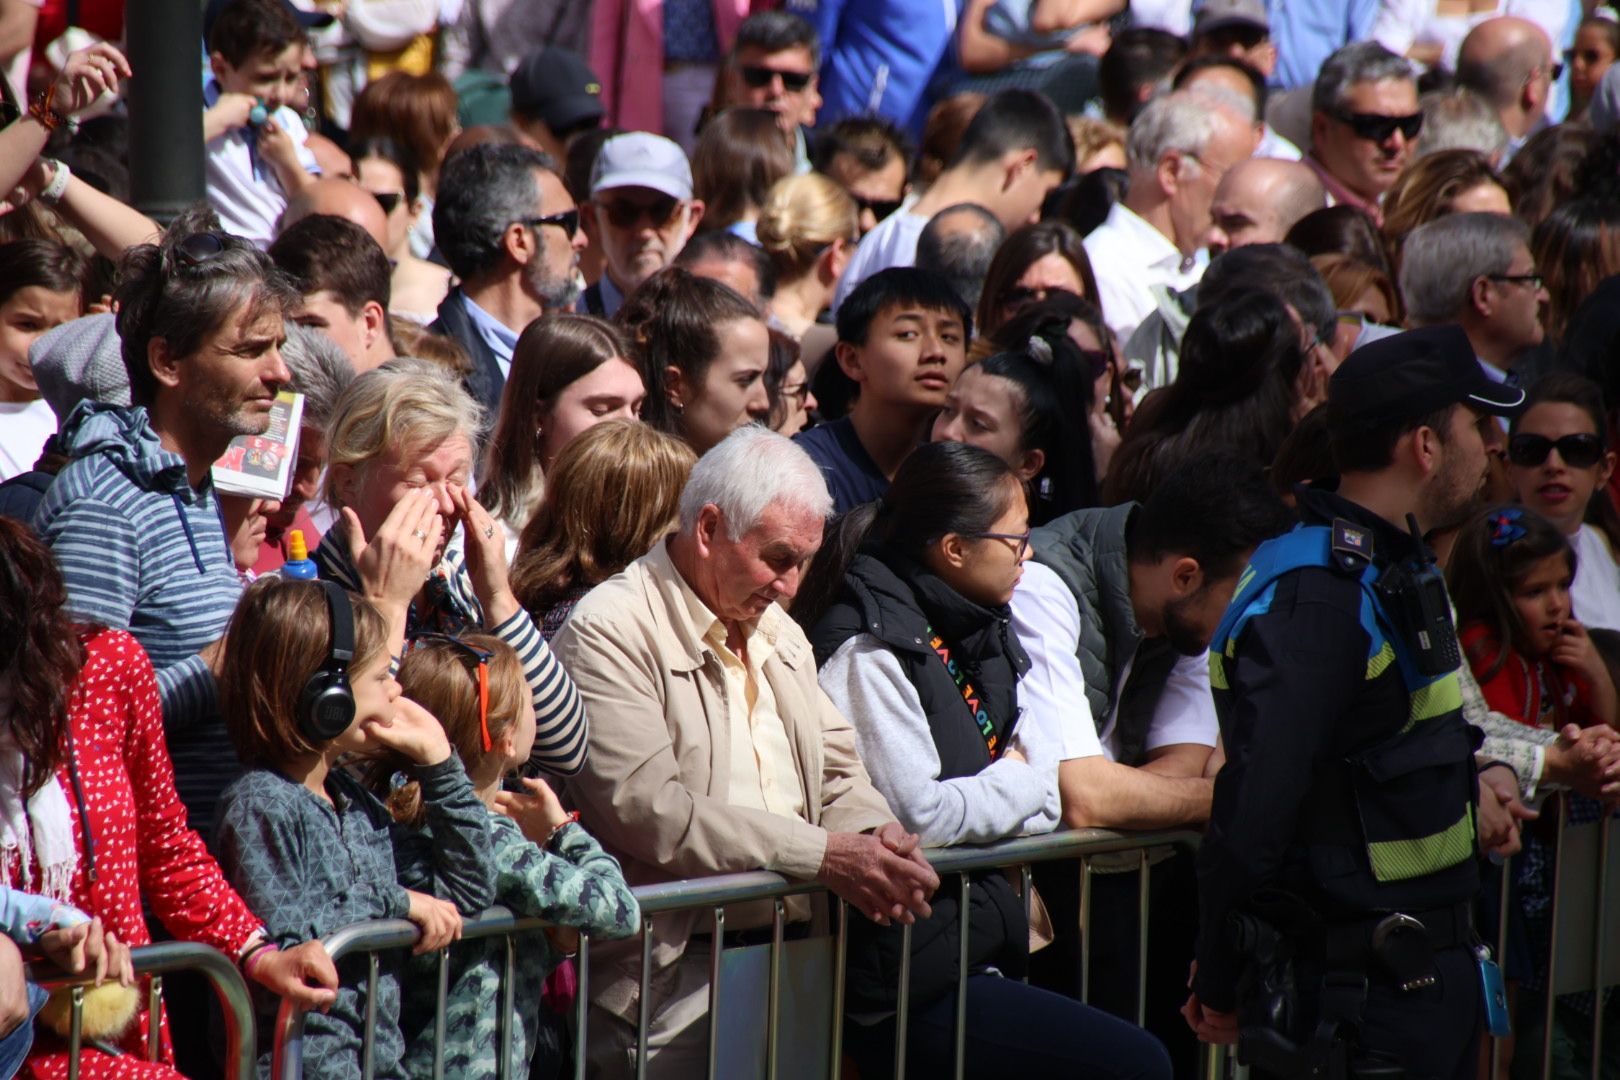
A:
1349, 791
510, 232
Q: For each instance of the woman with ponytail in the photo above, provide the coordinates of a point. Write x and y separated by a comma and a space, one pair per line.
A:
908, 612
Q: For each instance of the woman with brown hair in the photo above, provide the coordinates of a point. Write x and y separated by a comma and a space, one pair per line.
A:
1033, 262
578, 539
419, 111
1441, 183
740, 154
569, 373
89, 815
1575, 247
1362, 294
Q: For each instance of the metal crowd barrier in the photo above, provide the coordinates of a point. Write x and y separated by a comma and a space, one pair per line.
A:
716, 893
154, 961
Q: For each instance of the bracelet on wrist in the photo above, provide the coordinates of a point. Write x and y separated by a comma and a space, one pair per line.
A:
264, 946
52, 192
43, 109
571, 819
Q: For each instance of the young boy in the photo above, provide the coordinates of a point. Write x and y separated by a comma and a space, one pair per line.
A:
257, 159
902, 340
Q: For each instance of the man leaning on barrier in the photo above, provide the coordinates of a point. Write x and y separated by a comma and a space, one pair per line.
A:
713, 749
1337, 875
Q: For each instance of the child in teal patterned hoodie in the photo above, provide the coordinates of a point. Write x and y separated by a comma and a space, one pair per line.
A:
546, 865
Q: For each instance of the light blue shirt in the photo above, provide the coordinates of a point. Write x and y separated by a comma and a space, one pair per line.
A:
500, 338
1307, 32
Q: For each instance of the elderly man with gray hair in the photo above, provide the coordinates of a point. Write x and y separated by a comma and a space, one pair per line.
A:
510, 232
1476, 270
1364, 118
1178, 149
713, 749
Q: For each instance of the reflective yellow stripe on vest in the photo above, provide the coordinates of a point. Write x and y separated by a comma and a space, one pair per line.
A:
1400, 860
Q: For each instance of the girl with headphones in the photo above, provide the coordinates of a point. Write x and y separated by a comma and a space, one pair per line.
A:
305, 682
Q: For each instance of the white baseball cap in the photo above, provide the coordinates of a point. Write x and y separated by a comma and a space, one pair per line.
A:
642, 159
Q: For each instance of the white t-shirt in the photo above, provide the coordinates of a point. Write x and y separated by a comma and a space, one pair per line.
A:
23, 431
1595, 593
250, 202
892, 243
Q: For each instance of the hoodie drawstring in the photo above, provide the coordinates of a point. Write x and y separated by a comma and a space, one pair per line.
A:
196, 556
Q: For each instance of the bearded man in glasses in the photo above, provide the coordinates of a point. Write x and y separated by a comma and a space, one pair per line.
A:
1364, 118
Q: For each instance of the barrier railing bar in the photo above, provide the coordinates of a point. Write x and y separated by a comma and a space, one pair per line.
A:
1501, 952
582, 1003
1085, 931
840, 959
1552, 951
643, 1006
368, 1043
902, 1014
76, 1032
1142, 938
773, 1005
503, 1071
959, 1055
1026, 884
1601, 900
714, 990
440, 1004
154, 1014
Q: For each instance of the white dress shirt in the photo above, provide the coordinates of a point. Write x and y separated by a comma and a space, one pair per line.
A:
1130, 257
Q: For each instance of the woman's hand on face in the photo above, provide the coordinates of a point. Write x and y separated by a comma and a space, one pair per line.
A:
412, 731
439, 920
486, 557
535, 809
395, 561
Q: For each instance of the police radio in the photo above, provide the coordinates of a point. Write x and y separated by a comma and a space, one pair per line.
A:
1414, 597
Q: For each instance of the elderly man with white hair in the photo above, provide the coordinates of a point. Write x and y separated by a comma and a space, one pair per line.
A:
712, 748
1178, 149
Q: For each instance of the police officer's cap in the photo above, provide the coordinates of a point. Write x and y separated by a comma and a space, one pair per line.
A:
1407, 376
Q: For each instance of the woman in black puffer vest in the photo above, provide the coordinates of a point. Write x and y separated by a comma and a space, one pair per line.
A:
906, 606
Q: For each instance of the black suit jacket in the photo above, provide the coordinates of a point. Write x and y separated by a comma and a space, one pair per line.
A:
485, 381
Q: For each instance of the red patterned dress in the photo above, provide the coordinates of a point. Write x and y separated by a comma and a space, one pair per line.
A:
143, 847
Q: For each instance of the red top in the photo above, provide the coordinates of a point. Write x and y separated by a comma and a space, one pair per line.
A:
1539, 693
142, 843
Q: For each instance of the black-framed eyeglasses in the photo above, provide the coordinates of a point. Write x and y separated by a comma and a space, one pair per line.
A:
1534, 281
1376, 127
1021, 540
481, 658
198, 248
759, 78
566, 220
660, 213
1556, 72
881, 208
388, 200
1579, 451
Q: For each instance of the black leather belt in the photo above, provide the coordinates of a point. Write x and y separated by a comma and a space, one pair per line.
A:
1399, 944
758, 935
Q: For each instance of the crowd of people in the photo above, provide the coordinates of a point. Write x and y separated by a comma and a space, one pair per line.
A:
722, 440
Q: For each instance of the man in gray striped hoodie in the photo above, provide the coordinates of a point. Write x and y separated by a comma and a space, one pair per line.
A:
133, 519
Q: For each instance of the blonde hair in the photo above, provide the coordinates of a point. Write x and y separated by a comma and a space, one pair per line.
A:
801, 216
279, 636
577, 537
1092, 136
443, 678
404, 405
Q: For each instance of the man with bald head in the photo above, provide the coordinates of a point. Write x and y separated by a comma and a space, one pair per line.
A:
1259, 200
1509, 62
339, 198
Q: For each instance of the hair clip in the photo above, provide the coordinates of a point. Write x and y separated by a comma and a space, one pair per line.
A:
1039, 350
1505, 527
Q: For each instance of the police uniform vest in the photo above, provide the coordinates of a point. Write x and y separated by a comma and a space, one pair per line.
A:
1086, 549
1394, 828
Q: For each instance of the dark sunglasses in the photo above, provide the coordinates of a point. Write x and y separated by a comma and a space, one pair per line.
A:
881, 208
1376, 127
567, 221
1244, 37
198, 248
760, 77
624, 214
387, 200
481, 657
1556, 71
1578, 451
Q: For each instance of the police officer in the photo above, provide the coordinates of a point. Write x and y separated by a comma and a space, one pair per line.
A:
1337, 873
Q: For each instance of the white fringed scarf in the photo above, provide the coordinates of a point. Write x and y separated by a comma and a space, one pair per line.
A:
40, 830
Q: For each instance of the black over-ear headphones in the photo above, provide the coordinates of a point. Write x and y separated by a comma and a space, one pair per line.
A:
326, 703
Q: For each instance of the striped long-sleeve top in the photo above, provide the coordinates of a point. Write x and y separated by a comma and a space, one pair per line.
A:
142, 550
559, 712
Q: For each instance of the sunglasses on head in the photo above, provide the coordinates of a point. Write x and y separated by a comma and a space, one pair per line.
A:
387, 200
480, 657
626, 214
567, 221
198, 248
1578, 451
759, 78
1376, 127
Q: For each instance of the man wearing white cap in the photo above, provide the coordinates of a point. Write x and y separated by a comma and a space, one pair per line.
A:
640, 215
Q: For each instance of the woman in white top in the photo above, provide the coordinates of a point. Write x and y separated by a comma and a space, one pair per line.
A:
39, 289
1560, 464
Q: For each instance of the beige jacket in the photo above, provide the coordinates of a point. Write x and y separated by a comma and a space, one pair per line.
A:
655, 782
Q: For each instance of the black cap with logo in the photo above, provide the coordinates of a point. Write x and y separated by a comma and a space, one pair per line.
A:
1407, 376
557, 88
